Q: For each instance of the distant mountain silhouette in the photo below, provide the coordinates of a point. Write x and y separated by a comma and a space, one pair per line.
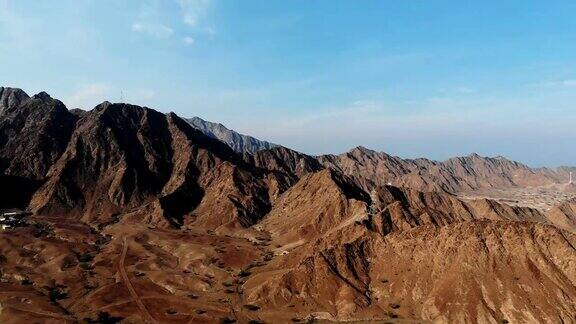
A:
238, 142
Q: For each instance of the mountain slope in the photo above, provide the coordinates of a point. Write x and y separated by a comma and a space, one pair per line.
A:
479, 271
238, 142
284, 160
121, 157
564, 215
408, 255
33, 133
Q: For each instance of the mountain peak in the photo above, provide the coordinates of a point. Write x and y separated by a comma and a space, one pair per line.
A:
42, 96
362, 149
11, 97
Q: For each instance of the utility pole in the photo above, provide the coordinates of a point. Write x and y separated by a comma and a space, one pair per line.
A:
570, 178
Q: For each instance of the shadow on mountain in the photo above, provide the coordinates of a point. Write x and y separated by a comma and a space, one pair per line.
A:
180, 203
16, 192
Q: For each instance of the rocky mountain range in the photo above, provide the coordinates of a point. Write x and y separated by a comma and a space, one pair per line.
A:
238, 142
137, 216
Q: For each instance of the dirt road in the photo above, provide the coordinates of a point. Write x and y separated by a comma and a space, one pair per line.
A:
144, 311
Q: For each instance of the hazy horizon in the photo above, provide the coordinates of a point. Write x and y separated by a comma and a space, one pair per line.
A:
412, 79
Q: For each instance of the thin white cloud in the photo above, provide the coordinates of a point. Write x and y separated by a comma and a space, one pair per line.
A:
87, 96
156, 30
193, 11
569, 83
188, 40
149, 21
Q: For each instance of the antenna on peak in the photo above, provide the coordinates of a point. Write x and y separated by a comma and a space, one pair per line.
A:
121, 95
570, 182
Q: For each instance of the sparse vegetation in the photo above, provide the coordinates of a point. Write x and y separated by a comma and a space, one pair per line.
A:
252, 307
394, 306
42, 229
104, 318
68, 262
268, 256
85, 257
86, 266
244, 273
57, 293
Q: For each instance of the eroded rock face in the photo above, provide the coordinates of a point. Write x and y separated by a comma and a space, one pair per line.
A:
11, 98
33, 134
564, 215
316, 205
284, 160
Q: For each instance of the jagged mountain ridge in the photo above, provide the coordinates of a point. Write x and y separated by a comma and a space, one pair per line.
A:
460, 174
117, 157
369, 169
238, 142
144, 217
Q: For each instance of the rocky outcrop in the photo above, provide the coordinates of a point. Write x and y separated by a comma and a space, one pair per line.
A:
33, 134
238, 142
564, 215
11, 98
317, 204
284, 160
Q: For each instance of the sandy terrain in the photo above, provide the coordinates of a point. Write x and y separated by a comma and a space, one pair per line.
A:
542, 198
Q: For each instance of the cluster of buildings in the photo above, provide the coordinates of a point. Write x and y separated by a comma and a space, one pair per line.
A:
12, 219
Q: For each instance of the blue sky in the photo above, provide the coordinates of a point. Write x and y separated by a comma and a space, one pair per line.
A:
412, 78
